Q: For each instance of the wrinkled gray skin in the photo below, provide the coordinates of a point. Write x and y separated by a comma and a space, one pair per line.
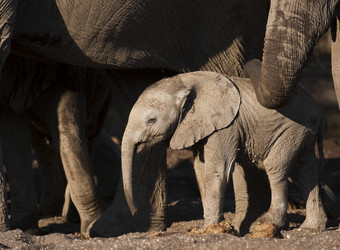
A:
293, 29
227, 128
145, 34
56, 100
178, 37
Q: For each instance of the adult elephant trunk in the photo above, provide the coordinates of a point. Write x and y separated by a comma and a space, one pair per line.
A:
143, 172
336, 58
293, 28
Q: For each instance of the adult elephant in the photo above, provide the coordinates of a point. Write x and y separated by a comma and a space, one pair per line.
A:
293, 29
177, 35
66, 106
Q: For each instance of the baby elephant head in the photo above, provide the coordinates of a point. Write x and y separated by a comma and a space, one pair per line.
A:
179, 111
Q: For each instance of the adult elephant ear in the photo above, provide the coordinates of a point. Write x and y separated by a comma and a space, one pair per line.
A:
336, 57
212, 104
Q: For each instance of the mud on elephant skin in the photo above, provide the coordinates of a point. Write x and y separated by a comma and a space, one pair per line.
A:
227, 128
66, 104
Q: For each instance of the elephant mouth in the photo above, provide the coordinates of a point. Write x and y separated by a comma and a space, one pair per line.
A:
141, 146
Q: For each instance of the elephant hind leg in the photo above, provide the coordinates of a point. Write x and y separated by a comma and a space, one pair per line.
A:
70, 138
277, 169
4, 222
306, 176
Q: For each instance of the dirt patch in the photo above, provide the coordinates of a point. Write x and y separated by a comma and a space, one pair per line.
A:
185, 214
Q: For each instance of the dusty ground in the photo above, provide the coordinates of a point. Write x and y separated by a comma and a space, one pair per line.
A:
185, 213
185, 210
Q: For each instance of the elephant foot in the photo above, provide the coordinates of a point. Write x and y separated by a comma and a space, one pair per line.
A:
314, 224
4, 227
222, 227
268, 226
266, 230
277, 218
87, 224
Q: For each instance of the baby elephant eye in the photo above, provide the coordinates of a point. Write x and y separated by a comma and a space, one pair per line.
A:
151, 121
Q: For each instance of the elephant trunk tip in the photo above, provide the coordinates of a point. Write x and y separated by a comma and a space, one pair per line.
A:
130, 202
268, 96
133, 209
269, 102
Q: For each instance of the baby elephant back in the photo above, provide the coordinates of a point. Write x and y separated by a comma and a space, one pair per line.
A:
303, 109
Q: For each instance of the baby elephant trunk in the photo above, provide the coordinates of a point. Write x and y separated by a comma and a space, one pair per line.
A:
128, 149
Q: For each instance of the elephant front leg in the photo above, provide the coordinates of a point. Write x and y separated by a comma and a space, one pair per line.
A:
4, 223
212, 185
212, 167
8, 10
75, 157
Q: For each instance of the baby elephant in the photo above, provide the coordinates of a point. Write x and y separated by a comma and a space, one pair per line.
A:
226, 127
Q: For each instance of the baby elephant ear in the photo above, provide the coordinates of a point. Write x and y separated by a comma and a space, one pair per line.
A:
213, 104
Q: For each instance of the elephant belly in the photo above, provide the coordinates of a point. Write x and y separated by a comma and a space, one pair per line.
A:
135, 34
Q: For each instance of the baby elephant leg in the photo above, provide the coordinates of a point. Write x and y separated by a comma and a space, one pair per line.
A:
252, 196
212, 187
277, 166
211, 171
306, 176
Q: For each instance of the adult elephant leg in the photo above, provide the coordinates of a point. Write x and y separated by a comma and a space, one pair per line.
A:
72, 139
16, 146
106, 168
252, 196
51, 174
336, 58
69, 212
4, 222
306, 176
8, 10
